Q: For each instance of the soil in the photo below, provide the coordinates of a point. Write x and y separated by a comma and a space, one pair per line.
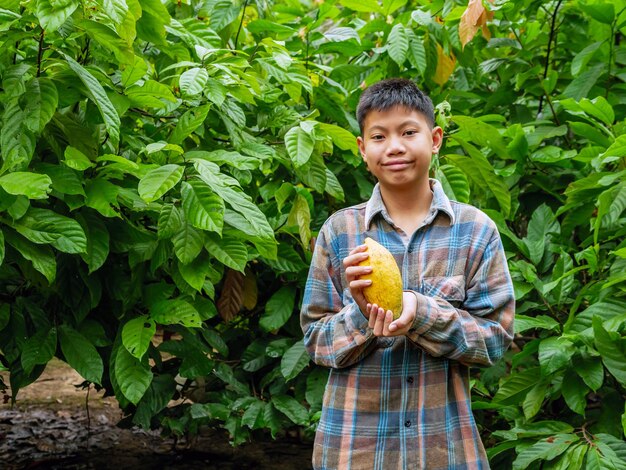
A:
50, 427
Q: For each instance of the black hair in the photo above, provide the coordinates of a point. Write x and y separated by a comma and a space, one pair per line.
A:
391, 92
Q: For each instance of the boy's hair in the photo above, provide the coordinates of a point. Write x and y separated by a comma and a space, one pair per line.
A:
392, 92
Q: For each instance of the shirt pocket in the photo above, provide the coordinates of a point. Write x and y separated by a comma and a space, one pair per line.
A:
448, 288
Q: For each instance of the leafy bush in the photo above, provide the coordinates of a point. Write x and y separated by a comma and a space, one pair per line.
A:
165, 166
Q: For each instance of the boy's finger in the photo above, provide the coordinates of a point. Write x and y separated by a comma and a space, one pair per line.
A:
354, 259
387, 323
354, 272
360, 283
358, 249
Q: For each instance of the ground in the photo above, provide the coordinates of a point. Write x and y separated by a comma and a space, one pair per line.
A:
50, 428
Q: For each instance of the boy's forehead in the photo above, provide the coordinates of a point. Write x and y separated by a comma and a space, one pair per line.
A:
401, 113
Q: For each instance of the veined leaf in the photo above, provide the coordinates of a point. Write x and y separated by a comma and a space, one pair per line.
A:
102, 196
195, 273
159, 181
76, 159
291, 408
300, 216
366, 6
189, 122
554, 353
454, 182
188, 243
169, 221
39, 349
546, 449
97, 240
42, 257
295, 359
137, 334
52, 14
99, 97
228, 250
31, 185
203, 208
278, 309
41, 104
133, 376
193, 81
612, 351
299, 144
81, 354
398, 44
176, 311
46, 226
150, 94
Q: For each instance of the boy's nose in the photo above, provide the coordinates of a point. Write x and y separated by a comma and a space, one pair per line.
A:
395, 145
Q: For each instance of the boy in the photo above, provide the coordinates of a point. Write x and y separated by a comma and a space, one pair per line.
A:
398, 392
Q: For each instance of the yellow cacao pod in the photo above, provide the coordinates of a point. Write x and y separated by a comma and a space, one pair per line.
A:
386, 287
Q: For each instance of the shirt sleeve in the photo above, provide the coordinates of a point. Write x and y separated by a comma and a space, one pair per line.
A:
336, 333
481, 329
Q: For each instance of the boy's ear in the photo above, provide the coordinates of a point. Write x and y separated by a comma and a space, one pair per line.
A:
361, 144
437, 138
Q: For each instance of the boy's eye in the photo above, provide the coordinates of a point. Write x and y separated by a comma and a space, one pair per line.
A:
410, 132
377, 137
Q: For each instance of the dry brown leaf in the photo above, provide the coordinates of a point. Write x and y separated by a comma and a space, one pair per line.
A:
474, 17
231, 297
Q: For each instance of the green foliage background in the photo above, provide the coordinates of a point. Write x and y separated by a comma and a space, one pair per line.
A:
168, 163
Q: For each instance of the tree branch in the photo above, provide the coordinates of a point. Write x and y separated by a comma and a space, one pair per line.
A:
243, 14
551, 38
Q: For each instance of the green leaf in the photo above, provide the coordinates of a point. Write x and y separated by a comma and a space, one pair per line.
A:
516, 386
150, 94
159, 181
195, 273
366, 6
31, 185
612, 352
5, 315
42, 257
299, 144
603, 12
46, 226
253, 417
102, 196
39, 349
546, 449
175, 312
580, 87
454, 183
542, 224
342, 138
398, 44
81, 354
193, 81
41, 104
97, 240
333, 186
76, 159
133, 376
580, 61
16, 141
203, 208
590, 369
137, 334
599, 108
555, 353
228, 250
574, 392
291, 408
534, 399
544, 322
52, 14
295, 359
108, 39
189, 122
64, 180
97, 94
2, 250
169, 221
188, 243
134, 72
278, 309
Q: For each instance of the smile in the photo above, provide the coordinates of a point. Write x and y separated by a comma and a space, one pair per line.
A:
397, 164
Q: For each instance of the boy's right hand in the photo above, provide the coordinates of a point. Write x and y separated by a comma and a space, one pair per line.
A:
353, 274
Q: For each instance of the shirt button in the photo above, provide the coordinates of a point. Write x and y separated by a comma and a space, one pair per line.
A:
407, 423
409, 380
411, 250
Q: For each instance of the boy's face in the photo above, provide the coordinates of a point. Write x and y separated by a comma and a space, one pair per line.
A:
397, 146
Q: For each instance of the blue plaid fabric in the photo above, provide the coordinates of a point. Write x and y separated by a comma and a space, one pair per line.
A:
404, 402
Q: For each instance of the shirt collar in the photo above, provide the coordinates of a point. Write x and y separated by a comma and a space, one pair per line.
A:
440, 202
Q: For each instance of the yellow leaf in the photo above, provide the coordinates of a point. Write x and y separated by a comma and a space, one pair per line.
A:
445, 66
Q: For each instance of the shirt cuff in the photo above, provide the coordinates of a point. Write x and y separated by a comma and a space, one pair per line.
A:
356, 321
425, 313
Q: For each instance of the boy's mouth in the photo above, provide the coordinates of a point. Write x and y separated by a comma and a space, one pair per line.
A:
396, 164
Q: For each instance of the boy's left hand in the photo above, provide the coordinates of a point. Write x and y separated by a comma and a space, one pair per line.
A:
383, 323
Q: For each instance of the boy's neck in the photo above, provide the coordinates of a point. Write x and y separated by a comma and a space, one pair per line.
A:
407, 204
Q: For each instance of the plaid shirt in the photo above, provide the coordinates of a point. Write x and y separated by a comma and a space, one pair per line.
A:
404, 402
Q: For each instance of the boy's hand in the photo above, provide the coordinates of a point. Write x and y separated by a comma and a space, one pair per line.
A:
354, 272
382, 322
